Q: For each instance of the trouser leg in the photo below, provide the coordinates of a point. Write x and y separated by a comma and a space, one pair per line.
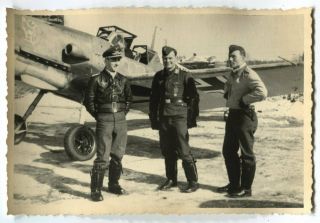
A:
117, 152
191, 173
190, 170
171, 166
184, 150
230, 152
104, 132
167, 145
247, 176
246, 138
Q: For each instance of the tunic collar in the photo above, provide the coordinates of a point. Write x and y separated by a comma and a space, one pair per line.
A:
111, 74
238, 71
173, 71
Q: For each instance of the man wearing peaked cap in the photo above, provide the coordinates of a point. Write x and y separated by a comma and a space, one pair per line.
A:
112, 52
243, 87
233, 48
107, 99
166, 50
173, 108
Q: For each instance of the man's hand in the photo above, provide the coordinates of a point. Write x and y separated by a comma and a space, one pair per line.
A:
243, 105
155, 125
127, 109
154, 121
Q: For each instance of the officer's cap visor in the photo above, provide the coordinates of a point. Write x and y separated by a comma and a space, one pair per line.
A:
114, 57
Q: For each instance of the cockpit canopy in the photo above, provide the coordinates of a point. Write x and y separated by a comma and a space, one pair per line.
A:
115, 34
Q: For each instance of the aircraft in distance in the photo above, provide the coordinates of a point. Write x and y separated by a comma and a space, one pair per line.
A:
61, 60
197, 62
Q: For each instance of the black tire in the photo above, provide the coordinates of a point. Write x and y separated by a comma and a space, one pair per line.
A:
20, 129
80, 143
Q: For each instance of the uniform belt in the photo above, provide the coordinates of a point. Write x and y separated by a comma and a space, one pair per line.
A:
174, 101
112, 107
250, 107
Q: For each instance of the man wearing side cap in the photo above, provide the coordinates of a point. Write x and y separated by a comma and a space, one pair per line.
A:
243, 87
173, 96
107, 99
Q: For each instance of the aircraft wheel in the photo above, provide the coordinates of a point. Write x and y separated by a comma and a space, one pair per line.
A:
79, 143
20, 129
225, 115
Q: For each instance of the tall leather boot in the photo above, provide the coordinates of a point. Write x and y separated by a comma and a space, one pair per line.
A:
97, 175
191, 172
171, 174
115, 170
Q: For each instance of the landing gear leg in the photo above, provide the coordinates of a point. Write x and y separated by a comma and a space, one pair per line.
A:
20, 125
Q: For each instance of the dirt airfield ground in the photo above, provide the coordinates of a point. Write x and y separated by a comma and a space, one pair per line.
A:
46, 181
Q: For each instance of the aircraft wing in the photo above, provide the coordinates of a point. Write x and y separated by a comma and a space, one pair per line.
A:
211, 77
280, 78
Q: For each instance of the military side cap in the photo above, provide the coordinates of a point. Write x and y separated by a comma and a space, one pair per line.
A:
114, 51
167, 49
236, 47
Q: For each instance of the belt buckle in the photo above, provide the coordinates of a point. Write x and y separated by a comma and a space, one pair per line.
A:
114, 107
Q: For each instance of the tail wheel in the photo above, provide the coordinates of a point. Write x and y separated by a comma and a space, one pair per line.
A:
79, 143
20, 129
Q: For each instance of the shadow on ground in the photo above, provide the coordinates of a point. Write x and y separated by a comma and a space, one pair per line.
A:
60, 160
47, 135
211, 118
52, 135
132, 175
55, 181
245, 203
144, 147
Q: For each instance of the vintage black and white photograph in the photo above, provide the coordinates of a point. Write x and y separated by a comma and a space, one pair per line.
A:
159, 111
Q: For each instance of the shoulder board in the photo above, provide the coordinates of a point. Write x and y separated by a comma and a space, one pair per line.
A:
121, 75
248, 71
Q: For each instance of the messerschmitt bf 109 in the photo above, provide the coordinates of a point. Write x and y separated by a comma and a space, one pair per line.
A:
61, 60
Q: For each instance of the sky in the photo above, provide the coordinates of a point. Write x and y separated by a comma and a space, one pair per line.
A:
263, 37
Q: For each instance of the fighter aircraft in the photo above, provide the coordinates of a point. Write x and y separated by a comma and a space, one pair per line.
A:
61, 60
